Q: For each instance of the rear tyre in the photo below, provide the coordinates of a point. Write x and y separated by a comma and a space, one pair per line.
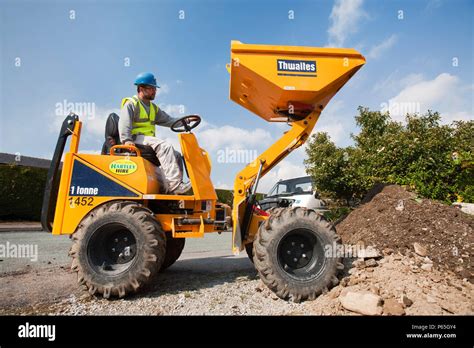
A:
174, 248
117, 249
290, 254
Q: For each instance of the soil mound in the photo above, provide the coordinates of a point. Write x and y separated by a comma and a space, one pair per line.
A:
396, 219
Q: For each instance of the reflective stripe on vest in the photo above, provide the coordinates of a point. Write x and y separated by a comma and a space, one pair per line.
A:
142, 123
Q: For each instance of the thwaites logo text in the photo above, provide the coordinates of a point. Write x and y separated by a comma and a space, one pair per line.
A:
288, 67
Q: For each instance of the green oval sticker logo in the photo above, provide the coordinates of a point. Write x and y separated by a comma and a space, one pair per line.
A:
123, 167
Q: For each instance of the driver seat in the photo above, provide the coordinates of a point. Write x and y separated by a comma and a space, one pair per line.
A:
112, 138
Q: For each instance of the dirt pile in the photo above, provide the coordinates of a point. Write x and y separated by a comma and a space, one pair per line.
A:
430, 232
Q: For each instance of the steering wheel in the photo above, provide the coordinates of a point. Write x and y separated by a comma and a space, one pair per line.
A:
186, 123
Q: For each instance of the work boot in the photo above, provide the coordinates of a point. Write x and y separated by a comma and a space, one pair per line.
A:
182, 188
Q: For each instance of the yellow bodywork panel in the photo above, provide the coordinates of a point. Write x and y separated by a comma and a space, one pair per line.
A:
199, 167
76, 200
133, 171
255, 223
267, 78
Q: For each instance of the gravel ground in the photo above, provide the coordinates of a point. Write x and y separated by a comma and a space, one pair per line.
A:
206, 280
213, 282
188, 289
231, 293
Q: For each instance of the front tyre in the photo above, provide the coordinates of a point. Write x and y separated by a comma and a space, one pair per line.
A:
290, 254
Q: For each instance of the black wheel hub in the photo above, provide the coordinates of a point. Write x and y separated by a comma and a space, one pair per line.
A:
121, 247
301, 254
112, 249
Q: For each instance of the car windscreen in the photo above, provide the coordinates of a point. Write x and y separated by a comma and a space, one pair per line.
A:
293, 186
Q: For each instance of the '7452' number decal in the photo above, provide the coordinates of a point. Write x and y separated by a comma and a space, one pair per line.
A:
80, 201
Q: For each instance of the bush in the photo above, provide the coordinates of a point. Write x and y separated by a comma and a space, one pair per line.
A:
224, 196
21, 192
433, 159
337, 213
227, 196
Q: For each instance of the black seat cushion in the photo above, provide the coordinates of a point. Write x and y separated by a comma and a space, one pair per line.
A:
112, 138
148, 153
111, 133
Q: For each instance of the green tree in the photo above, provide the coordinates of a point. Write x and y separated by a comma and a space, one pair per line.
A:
435, 160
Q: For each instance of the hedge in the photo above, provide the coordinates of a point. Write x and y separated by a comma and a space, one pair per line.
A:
21, 192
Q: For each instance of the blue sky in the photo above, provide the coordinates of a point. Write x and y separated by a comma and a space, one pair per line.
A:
419, 53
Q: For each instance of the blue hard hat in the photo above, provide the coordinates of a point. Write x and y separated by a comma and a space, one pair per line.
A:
146, 78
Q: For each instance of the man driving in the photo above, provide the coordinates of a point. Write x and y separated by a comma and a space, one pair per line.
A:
138, 117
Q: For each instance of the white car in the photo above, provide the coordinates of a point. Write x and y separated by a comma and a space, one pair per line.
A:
297, 192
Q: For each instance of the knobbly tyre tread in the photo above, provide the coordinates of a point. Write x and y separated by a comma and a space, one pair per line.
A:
148, 261
270, 273
249, 246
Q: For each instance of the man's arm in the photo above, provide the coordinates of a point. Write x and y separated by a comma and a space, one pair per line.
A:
125, 123
163, 119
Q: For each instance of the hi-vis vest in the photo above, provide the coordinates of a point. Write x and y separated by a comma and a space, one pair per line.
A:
142, 123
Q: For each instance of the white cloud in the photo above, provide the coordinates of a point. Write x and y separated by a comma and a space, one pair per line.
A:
410, 79
223, 186
394, 82
93, 121
330, 122
175, 110
333, 109
446, 93
334, 129
377, 50
214, 138
345, 17
164, 89
461, 116
95, 125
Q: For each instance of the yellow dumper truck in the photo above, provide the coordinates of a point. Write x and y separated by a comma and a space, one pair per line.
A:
125, 230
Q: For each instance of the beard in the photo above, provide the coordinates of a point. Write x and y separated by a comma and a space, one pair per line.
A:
150, 96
